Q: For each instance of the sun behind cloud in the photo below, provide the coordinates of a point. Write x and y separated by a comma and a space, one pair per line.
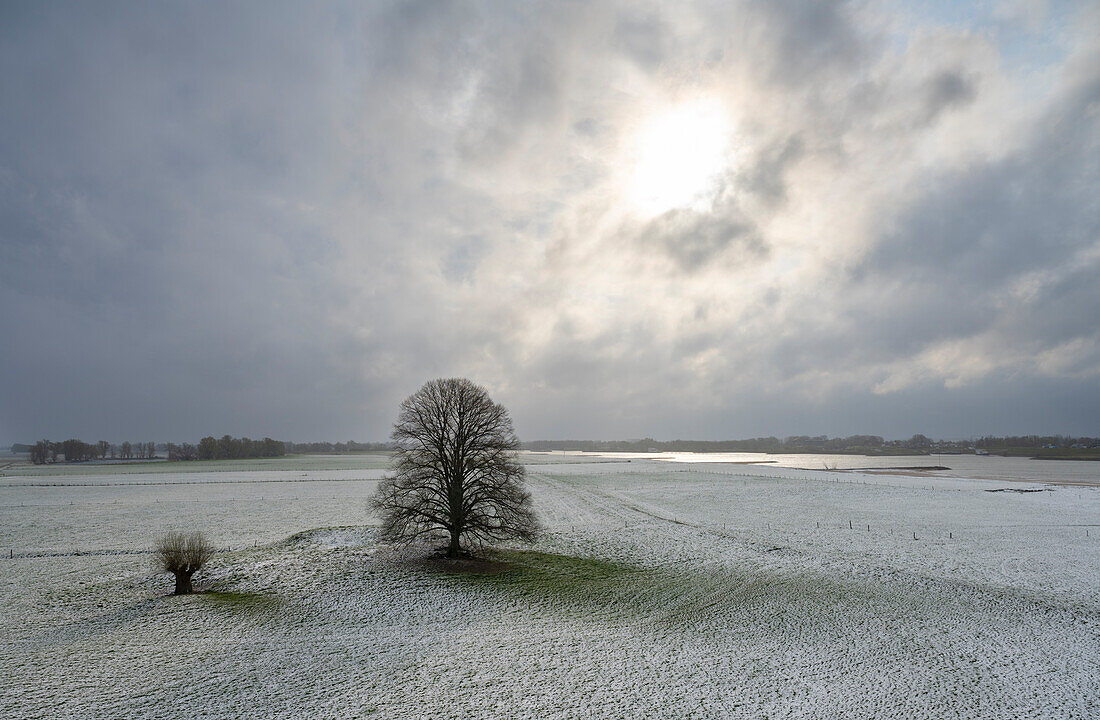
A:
676, 155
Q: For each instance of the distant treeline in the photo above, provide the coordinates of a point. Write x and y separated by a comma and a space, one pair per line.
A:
226, 448
209, 448
1036, 441
858, 444
46, 451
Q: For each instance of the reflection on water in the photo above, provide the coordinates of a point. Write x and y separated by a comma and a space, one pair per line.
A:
963, 466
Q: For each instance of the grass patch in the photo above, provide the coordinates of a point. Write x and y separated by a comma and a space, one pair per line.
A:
529, 567
602, 590
564, 581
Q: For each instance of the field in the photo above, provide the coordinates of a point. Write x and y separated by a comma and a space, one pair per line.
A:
668, 590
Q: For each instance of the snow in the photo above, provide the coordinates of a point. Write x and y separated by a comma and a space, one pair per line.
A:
660, 590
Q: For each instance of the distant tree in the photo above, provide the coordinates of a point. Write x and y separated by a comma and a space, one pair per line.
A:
150, 449
273, 448
101, 448
183, 555
40, 452
455, 473
126, 451
208, 448
230, 448
77, 451
919, 441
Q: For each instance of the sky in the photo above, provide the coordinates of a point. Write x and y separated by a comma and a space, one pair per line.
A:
707, 220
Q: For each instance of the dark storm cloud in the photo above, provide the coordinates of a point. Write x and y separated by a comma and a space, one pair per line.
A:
153, 257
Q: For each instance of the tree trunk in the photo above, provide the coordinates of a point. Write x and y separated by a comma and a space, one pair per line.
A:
454, 550
183, 583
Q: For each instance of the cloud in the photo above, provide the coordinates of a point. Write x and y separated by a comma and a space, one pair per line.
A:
282, 222
946, 90
694, 240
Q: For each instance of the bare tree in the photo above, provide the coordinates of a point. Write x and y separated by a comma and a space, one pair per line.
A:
455, 473
183, 555
40, 453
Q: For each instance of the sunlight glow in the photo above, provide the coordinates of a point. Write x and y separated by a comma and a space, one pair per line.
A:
677, 156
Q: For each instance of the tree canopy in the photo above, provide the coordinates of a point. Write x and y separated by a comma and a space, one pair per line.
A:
455, 473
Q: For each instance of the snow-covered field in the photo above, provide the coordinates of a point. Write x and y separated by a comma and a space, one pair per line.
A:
661, 590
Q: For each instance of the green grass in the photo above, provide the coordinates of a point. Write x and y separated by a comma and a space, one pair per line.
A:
585, 586
1048, 453
1067, 454
576, 582
599, 590
565, 572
